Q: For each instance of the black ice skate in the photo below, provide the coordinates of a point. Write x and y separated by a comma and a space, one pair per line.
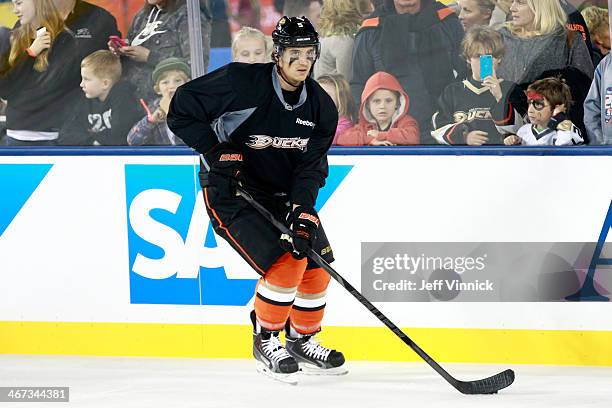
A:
313, 358
272, 358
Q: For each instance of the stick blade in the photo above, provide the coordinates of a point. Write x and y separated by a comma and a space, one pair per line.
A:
488, 385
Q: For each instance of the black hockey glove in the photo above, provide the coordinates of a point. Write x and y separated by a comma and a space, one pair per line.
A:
303, 223
225, 171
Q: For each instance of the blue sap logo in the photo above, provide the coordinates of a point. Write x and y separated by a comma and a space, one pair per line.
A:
174, 255
17, 183
588, 290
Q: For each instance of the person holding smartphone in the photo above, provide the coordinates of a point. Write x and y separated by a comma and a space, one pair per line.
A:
418, 42
90, 25
159, 30
479, 109
39, 74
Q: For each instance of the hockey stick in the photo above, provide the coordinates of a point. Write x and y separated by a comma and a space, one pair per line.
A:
488, 385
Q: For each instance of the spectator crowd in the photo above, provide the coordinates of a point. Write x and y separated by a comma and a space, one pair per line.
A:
400, 72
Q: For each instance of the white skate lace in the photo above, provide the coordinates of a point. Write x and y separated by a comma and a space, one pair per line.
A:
274, 349
312, 348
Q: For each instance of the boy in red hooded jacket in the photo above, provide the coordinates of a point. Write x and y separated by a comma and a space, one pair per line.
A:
383, 116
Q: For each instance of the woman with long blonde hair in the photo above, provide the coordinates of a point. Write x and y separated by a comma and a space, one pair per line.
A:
340, 20
531, 18
38, 74
537, 40
539, 45
45, 15
574, 19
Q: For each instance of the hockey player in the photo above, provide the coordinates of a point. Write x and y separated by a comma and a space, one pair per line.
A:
548, 100
268, 127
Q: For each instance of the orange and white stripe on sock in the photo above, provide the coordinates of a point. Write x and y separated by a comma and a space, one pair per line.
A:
276, 290
309, 304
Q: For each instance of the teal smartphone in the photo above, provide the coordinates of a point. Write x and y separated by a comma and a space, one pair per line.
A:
486, 66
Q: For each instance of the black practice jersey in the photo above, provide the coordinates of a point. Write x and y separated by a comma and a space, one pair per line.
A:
468, 105
284, 143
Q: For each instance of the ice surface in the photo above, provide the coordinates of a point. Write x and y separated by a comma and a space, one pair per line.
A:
128, 382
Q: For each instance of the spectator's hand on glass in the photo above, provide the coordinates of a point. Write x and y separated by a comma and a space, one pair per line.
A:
512, 140
376, 142
136, 53
492, 84
41, 43
476, 137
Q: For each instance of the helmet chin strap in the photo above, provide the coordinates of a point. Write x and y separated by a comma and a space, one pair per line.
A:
284, 77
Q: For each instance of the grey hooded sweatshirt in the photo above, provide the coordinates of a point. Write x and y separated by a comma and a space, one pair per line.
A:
598, 105
165, 34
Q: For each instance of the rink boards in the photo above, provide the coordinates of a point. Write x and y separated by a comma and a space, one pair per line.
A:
113, 255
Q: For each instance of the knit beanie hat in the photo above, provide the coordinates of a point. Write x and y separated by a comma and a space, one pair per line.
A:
170, 64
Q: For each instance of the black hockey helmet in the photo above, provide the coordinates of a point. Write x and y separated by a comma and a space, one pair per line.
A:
295, 32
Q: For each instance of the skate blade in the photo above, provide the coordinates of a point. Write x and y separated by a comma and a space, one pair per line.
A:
309, 369
284, 378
